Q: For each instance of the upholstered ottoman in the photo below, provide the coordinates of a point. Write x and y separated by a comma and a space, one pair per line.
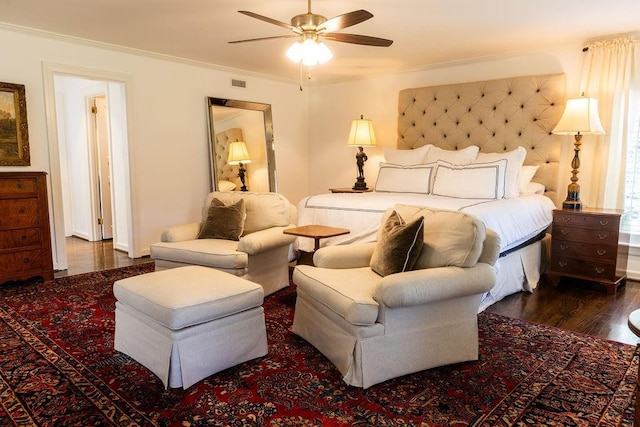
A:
188, 323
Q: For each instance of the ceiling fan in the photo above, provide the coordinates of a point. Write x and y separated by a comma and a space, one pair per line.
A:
310, 28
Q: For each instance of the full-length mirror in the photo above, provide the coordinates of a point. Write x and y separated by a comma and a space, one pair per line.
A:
242, 157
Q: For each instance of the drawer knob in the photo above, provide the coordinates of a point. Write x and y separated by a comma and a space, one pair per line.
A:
21, 211
564, 247
564, 231
19, 186
562, 263
26, 260
24, 237
602, 235
601, 252
566, 218
599, 270
604, 222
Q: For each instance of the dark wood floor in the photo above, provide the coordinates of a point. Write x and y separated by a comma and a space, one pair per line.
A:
84, 257
576, 306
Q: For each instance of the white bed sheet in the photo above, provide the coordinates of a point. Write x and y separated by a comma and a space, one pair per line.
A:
515, 220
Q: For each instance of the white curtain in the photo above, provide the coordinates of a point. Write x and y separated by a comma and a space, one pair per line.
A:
611, 73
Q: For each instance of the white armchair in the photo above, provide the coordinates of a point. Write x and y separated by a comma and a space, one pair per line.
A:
375, 328
262, 253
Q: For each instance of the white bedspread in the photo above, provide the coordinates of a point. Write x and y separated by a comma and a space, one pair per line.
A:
515, 220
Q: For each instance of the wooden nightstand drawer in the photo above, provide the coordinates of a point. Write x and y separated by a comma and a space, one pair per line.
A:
584, 267
598, 222
587, 235
571, 249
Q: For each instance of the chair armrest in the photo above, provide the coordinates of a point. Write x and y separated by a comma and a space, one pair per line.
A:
344, 256
418, 287
180, 233
264, 240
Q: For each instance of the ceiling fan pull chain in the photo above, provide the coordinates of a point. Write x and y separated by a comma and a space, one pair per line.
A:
301, 76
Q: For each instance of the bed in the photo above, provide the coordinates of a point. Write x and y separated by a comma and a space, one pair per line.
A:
483, 148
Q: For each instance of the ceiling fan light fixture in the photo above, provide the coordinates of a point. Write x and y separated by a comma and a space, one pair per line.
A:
310, 52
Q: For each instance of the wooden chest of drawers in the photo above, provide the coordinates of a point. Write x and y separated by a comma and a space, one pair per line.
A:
25, 236
584, 244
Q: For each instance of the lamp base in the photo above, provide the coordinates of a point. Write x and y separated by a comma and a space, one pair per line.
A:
241, 174
575, 205
360, 184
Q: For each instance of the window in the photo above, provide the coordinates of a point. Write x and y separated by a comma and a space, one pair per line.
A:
631, 218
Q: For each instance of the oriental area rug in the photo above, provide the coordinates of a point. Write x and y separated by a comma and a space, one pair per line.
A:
58, 368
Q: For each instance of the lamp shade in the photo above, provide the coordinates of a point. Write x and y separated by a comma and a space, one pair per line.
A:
310, 52
362, 134
238, 153
580, 117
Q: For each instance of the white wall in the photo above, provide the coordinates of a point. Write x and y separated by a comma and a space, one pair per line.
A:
167, 120
333, 107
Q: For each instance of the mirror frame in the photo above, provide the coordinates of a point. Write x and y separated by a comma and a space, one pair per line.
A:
268, 134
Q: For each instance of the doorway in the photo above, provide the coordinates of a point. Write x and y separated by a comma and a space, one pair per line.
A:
90, 173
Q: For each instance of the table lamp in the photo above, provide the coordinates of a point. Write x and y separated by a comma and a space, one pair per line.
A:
239, 155
361, 135
580, 117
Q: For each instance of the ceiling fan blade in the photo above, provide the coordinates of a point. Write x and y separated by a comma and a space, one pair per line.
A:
270, 21
265, 38
343, 21
358, 39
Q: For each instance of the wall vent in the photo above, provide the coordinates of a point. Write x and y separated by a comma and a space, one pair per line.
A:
238, 83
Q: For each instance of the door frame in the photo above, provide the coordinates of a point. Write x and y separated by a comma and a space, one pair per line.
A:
50, 70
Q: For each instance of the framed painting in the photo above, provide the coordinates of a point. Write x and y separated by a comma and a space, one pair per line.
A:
14, 135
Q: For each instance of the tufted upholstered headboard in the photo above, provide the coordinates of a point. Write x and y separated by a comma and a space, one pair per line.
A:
496, 115
224, 170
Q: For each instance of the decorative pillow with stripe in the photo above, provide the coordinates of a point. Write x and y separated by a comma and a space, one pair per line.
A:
474, 181
405, 179
399, 245
515, 159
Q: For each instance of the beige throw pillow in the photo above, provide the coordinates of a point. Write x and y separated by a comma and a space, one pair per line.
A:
224, 222
399, 245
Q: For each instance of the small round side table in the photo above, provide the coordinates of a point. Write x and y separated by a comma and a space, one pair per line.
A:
634, 325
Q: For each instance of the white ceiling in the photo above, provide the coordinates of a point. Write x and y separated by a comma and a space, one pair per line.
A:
426, 33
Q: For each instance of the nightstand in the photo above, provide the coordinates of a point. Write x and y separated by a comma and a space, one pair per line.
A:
349, 190
584, 245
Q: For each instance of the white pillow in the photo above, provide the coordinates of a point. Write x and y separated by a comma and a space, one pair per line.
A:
526, 175
404, 179
474, 181
455, 157
226, 185
532, 188
515, 159
407, 157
